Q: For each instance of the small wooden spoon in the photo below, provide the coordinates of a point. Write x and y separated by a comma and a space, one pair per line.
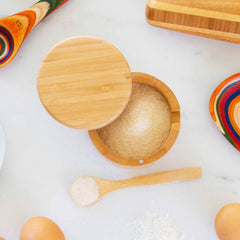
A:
87, 190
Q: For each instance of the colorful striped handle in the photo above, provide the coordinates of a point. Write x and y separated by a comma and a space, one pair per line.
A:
225, 109
14, 29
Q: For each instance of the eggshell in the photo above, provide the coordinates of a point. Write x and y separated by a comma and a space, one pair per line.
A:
2, 238
41, 228
227, 222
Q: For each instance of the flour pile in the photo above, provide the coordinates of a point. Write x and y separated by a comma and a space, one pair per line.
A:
153, 227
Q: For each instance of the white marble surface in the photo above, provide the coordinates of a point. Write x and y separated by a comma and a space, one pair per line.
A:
43, 157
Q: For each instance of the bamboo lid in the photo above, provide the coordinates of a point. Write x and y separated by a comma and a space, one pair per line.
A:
84, 83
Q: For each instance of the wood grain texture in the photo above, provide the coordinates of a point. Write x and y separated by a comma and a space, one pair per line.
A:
14, 29
224, 108
151, 81
106, 186
84, 83
215, 19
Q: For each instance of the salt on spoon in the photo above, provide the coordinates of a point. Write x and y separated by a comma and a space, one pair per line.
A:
85, 191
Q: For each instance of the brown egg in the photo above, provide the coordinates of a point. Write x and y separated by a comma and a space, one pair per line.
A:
41, 228
2, 238
227, 222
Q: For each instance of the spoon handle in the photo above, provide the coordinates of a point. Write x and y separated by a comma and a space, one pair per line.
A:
14, 29
163, 177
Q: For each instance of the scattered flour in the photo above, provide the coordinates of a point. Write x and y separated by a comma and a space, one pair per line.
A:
153, 227
84, 191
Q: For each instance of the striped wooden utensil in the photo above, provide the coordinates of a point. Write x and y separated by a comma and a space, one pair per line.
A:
225, 109
14, 29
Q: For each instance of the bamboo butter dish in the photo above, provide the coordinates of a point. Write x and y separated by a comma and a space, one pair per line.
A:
133, 118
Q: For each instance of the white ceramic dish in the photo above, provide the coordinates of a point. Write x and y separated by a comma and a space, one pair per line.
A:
2, 146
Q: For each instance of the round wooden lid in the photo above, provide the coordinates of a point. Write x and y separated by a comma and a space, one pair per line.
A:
84, 83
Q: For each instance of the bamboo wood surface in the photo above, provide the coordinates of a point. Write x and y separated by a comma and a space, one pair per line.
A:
84, 83
106, 186
14, 29
217, 19
151, 81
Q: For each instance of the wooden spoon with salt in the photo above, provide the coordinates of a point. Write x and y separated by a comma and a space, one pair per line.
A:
85, 191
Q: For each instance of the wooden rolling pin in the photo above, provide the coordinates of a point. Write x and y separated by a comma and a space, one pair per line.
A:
217, 19
14, 29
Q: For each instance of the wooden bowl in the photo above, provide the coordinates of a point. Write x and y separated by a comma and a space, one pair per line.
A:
153, 82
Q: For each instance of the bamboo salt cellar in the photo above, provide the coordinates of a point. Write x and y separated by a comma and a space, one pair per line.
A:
94, 90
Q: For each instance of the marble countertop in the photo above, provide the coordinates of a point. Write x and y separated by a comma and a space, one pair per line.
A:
43, 157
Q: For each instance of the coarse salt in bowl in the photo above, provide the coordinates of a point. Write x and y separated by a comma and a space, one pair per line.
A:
147, 128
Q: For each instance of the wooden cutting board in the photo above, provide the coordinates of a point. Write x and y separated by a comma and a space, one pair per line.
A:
217, 19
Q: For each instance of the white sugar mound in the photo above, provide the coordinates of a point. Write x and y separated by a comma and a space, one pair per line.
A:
84, 191
153, 227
